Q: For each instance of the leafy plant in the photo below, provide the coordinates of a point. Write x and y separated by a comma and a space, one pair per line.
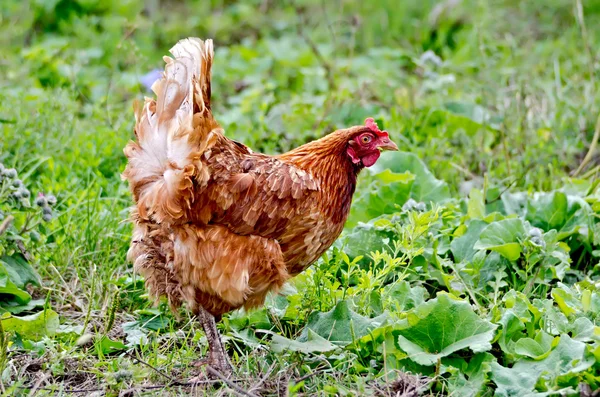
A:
21, 224
470, 258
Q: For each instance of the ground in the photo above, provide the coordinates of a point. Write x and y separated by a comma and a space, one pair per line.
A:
469, 265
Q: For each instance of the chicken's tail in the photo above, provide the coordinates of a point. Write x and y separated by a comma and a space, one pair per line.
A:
173, 132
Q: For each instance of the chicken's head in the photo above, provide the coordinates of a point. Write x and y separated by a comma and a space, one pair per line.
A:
366, 144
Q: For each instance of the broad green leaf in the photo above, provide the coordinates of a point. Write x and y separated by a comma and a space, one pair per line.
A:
108, 346
537, 348
364, 239
470, 380
476, 113
18, 296
547, 210
530, 348
426, 187
15, 273
462, 247
595, 303
568, 358
583, 329
258, 319
375, 303
387, 191
493, 202
32, 346
278, 303
518, 316
70, 329
34, 326
492, 268
511, 329
150, 312
556, 210
387, 176
515, 203
341, 325
555, 321
519, 303
15, 307
476, 204
389, 348
314, 343
503, 237
154, 323
565, 300
135, 334
152, 319
380, 340
403, 297
247, 336
443, 326
19, 270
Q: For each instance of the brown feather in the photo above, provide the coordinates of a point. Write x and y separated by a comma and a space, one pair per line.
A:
216, 225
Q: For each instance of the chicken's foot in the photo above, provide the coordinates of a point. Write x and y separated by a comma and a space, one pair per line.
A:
217, 356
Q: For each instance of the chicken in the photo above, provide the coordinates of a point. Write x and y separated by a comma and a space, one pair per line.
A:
216, 225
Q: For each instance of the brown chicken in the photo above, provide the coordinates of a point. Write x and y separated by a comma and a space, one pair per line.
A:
216, 225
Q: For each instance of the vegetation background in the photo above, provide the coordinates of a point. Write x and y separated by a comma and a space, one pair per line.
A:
470, 258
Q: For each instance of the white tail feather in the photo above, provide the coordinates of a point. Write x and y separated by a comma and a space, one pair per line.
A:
163, 163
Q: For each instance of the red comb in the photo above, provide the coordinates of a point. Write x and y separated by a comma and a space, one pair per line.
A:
372, 125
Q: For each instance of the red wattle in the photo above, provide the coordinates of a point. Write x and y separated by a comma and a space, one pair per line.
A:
352, 153
370, 159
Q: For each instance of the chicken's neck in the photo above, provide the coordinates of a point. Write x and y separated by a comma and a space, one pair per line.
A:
327, 161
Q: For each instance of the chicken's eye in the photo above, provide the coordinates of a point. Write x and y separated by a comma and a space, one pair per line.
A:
366, 139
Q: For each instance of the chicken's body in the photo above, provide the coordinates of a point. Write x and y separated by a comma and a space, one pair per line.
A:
217, 226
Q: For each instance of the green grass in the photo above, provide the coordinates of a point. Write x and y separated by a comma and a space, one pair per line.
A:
498, 100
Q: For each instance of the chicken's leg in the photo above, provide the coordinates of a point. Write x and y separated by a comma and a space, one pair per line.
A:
217, 356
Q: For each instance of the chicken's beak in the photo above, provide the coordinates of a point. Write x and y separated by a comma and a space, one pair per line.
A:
387, 144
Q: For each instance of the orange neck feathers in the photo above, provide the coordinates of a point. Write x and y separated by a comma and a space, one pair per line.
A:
326, 160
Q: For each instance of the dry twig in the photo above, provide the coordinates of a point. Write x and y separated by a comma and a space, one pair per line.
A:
260, 382
591, 150
158, 371
6, 223
235, 388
